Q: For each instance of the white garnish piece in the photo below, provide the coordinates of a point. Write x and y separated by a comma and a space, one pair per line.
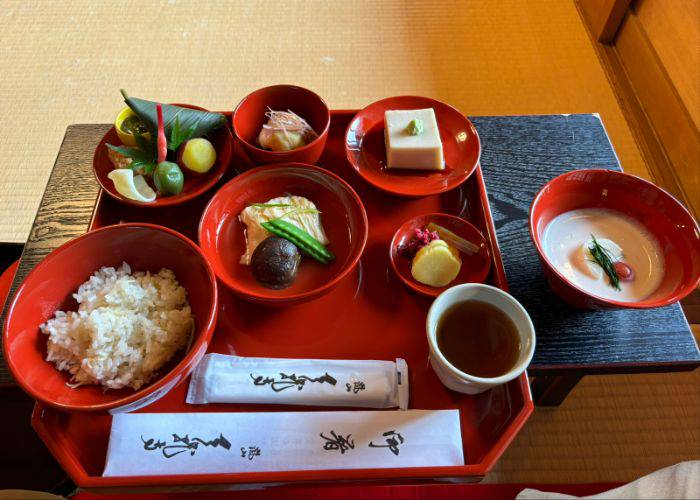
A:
131, 186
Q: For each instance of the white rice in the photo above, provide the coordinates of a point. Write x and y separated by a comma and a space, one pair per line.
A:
126, 328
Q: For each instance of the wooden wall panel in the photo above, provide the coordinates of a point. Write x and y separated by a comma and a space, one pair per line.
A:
659, 99
673, 30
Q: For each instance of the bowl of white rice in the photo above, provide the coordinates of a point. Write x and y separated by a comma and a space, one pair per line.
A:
111, 320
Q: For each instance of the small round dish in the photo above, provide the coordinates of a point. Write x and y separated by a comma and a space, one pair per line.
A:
194, 186
222, 238
49, 288
249, 117
475, 268
660, 213
366, 151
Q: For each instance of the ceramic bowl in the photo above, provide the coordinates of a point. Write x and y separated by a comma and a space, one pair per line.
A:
249, 117
222, 239
366, 151
475, 268
452, 377
195, 185
660, 213
49, 288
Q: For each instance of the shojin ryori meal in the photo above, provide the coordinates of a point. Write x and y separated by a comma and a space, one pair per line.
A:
284, 131
161, 143
126, 328
277, 232
412, 140
605, 252
434, 252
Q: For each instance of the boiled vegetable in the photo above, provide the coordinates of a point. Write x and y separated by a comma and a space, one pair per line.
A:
275, 262
197, 155
168, 178
306, 243
436, 264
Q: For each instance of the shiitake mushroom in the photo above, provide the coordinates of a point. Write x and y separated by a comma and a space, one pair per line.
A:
275, 262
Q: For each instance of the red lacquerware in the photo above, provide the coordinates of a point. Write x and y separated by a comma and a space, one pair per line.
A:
222, 237
366, 151
659, 212
49, 288
195, 184
475, 268
249, 117
369, 315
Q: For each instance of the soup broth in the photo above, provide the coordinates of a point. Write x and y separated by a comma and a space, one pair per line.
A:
478, 339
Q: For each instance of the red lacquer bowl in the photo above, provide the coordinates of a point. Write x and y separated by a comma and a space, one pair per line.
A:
221, 234
475, 268
659, 212
50, 285
249, 117
366, 151
194, 186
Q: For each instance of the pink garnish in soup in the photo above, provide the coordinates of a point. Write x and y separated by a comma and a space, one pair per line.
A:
624, 271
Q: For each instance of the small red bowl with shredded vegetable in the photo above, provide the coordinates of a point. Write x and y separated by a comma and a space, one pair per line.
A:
474, 254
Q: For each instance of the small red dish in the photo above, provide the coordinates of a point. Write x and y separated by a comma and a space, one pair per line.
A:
659, 212
475, 268
366, 151
194, 184
49, 288
249, 117
222, 239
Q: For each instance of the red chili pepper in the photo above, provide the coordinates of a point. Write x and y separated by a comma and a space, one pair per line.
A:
162, 143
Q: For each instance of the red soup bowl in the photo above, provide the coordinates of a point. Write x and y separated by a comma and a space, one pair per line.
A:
660, 213
366, 151
195, 184
49, 287
223, 241
249, 117
475, 268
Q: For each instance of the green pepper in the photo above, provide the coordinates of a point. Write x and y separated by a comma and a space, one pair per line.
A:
168, 178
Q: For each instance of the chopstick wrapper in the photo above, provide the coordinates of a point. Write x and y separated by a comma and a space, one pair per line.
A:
220, 378
144, 444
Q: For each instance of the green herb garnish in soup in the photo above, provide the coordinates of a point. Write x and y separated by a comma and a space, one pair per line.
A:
603, 259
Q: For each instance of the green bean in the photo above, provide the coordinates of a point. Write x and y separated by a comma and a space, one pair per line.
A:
306, 243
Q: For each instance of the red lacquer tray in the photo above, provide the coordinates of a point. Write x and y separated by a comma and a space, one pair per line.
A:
370, 315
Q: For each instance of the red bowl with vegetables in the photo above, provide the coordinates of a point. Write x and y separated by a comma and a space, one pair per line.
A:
195, 183
648, 206
226, 234
250, 116
475, 259
50, 286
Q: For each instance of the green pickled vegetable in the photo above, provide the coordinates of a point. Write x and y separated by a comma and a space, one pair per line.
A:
168, 178
303, 240
197, 123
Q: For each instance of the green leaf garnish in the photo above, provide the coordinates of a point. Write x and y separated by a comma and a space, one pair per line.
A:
603, 259
143, 158
178, 136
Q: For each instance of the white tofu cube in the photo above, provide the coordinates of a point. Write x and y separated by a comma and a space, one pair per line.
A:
404, 150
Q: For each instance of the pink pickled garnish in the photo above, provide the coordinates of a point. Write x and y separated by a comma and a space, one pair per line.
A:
421, 238
624, 271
